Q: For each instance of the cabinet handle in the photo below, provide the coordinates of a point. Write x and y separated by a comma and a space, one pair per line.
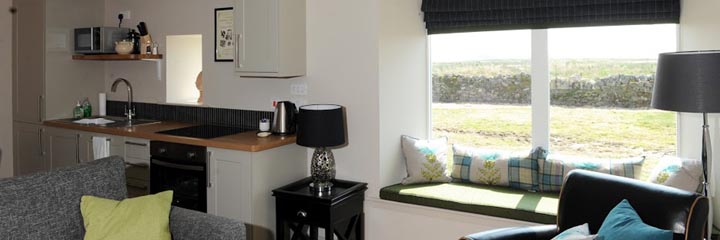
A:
40, 137
136, 144
77, 148
237, 50
207, 169
40, 108
302, 214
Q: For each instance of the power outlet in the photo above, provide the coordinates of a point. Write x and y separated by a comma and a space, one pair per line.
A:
298, 89
126, 14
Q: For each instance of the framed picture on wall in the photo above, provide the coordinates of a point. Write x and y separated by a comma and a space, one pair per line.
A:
224, 42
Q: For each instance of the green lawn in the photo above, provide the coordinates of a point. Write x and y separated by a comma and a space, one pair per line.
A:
594, 132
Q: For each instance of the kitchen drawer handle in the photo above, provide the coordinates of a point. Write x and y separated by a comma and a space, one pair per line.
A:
40, 108
142, 165
177, 166
40, 138
136, 144
302, 214
208, 170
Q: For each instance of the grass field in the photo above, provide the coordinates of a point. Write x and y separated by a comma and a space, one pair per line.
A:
559, 68
593, 132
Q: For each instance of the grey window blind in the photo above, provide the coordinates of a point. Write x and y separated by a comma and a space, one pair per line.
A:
448, 16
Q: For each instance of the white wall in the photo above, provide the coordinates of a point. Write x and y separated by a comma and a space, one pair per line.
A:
699, 30
6, 163
222, 87
342, 54
404, 86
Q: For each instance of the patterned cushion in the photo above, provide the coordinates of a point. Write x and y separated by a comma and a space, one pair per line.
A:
426, 160
678, 173
495, 167
554, 168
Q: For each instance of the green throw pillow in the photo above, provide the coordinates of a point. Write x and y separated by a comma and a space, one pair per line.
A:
146, 217
624, 223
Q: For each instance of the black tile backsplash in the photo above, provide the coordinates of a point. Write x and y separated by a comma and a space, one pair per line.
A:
199, 115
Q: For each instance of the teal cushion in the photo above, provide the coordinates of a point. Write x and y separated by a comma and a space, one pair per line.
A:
624, 223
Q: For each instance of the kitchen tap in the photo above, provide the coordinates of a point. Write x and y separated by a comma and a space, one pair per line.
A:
129, 112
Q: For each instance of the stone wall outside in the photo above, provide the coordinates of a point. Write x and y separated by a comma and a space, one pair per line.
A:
617, 91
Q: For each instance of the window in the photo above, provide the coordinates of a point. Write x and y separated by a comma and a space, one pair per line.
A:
481, 88
184, 66
600, 86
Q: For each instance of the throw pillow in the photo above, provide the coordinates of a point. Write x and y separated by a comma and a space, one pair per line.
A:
580, 232
494, 167
678, 173
554, 168
623, 222
146, 217
426, 160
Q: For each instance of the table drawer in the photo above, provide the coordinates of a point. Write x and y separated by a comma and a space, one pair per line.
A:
301, 211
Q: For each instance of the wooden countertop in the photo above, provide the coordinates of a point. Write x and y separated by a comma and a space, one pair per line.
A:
246, 141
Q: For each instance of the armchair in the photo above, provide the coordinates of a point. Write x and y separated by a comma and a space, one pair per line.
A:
587, 197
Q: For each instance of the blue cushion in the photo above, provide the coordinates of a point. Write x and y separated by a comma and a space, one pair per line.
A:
624, 223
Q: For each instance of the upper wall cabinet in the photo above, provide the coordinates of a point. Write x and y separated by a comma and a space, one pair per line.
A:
270, 36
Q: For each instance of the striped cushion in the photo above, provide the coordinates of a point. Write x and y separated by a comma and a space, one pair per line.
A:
495, 167
554, 168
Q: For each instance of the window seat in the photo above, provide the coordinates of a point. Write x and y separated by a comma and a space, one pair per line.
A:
481, 199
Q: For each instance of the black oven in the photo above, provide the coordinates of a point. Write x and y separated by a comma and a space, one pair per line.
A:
181, 168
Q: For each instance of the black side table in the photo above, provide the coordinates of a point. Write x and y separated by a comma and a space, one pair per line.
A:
300, 212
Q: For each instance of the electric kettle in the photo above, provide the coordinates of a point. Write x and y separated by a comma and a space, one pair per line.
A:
284, 118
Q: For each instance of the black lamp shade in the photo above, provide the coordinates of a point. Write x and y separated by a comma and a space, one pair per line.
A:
321, 125
688, 82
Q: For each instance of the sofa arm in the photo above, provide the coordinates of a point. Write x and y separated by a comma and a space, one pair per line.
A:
544, 232
191, 225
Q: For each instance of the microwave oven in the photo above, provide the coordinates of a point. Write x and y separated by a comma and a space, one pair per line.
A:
98, 40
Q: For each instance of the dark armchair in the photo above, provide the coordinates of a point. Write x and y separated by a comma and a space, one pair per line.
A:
587, 197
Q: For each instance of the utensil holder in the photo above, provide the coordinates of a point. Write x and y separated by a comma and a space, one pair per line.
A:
146, 44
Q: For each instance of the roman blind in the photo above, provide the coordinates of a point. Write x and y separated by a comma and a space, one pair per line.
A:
448, 16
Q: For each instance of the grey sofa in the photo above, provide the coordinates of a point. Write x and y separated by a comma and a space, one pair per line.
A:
47, 205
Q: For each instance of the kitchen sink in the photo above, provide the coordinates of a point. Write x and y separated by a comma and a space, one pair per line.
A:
117, 122
134, 122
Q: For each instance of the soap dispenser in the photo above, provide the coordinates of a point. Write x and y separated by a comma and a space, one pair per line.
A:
78, 112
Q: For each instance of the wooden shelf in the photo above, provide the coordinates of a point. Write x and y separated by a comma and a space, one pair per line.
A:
117, 57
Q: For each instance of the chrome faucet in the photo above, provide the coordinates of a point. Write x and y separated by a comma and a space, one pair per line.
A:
129, 112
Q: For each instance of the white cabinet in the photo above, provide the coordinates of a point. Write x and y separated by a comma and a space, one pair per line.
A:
241, 184
29, 150
117, 146
270, 38
62, 147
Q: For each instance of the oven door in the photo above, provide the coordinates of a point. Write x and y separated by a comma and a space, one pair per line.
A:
87, 40
186, 180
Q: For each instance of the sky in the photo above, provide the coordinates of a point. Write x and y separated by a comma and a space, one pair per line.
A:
626, 42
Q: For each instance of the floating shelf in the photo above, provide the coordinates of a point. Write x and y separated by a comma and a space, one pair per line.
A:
118, 57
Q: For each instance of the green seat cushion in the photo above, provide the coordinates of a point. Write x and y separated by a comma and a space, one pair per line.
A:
488, 200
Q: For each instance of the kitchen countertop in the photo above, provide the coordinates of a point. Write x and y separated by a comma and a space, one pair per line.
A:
245, 141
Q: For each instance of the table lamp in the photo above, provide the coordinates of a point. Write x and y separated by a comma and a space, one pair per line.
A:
690, 82
321, 126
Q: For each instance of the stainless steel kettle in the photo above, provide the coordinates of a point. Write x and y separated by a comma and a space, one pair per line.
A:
284, 118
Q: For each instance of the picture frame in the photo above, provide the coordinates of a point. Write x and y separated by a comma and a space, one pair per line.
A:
224, 37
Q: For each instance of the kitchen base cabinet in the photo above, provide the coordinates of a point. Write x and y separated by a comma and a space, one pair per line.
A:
29, 153
240, 184
63, 147
117, 146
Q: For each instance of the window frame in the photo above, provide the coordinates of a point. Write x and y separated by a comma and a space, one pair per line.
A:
540, 101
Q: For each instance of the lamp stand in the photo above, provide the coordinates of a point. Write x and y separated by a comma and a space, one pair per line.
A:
322, 170
707, 160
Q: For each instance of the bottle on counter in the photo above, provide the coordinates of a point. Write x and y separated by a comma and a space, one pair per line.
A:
78, 111
87, 108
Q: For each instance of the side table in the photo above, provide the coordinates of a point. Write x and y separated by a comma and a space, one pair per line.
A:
300, 211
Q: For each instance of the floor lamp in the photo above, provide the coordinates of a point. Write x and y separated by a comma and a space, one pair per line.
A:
690, 82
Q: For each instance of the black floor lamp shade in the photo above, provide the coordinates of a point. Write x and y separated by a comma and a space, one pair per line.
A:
688, 82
